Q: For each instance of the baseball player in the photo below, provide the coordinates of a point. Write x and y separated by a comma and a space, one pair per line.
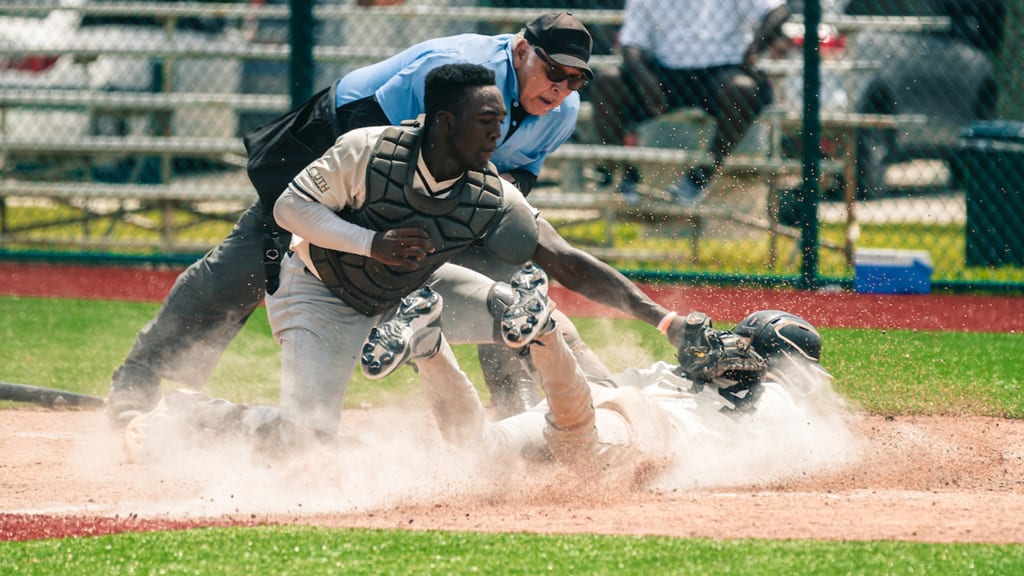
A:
382, 212
637, 416
538, 72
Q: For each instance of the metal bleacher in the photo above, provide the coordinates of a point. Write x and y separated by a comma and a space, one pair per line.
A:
173, 191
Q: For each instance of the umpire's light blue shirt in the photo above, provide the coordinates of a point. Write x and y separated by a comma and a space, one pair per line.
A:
398, 84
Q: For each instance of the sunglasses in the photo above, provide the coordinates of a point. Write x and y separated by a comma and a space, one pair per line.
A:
557, 74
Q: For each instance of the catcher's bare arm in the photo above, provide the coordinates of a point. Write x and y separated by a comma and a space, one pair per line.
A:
585, 274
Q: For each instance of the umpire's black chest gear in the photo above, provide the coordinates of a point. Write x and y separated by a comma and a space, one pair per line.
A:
475, 210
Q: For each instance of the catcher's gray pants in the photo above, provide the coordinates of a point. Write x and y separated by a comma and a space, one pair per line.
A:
321, 337
207, 306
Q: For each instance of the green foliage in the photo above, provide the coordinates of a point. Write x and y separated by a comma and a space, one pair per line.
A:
318, 551
63, 227
723, 250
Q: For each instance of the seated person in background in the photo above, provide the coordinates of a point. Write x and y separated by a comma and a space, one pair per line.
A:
688, 53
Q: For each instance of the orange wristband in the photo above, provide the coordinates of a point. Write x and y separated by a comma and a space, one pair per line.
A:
666, 322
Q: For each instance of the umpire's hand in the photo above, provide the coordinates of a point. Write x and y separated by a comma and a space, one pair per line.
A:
401, 246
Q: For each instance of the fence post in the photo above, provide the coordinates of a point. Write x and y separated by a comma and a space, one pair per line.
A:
300, 62
811, 154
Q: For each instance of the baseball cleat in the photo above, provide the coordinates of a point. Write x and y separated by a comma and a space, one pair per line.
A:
412, 332
124, 404
529, 313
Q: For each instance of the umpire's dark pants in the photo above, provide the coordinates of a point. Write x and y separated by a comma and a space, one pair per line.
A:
207, 306
212, 299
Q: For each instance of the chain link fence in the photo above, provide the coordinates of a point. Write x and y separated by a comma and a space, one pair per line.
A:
120, 125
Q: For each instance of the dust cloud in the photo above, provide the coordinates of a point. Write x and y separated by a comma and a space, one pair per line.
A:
799, 428
383, 456
394, 455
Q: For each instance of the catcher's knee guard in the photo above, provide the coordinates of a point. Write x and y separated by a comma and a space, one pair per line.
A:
498, 299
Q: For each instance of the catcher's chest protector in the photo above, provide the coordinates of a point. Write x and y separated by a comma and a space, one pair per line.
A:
454, 223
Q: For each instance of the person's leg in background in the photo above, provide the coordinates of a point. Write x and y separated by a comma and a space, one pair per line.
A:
204, 311
618, 109
510, 383
736, 106
734, 98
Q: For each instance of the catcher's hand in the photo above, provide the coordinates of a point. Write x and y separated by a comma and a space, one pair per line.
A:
707, 354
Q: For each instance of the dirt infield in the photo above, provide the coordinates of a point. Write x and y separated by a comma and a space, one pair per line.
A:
919, 479
935, 479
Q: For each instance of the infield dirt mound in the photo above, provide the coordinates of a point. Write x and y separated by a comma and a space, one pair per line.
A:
937, 479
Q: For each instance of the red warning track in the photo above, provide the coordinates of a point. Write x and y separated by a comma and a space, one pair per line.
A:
835, 309
21, 527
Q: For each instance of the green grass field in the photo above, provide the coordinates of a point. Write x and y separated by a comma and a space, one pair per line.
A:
299, 551
75, 345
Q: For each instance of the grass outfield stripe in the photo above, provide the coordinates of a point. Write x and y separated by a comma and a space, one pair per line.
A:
75, 345
316, 551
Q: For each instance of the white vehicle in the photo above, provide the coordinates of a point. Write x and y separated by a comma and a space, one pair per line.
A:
945, 74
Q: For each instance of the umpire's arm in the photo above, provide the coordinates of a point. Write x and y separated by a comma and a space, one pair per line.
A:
583, 273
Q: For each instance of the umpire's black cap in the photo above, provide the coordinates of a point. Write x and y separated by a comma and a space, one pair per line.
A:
564, 38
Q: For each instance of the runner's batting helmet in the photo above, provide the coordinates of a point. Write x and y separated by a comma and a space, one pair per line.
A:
790, 345
772, 332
